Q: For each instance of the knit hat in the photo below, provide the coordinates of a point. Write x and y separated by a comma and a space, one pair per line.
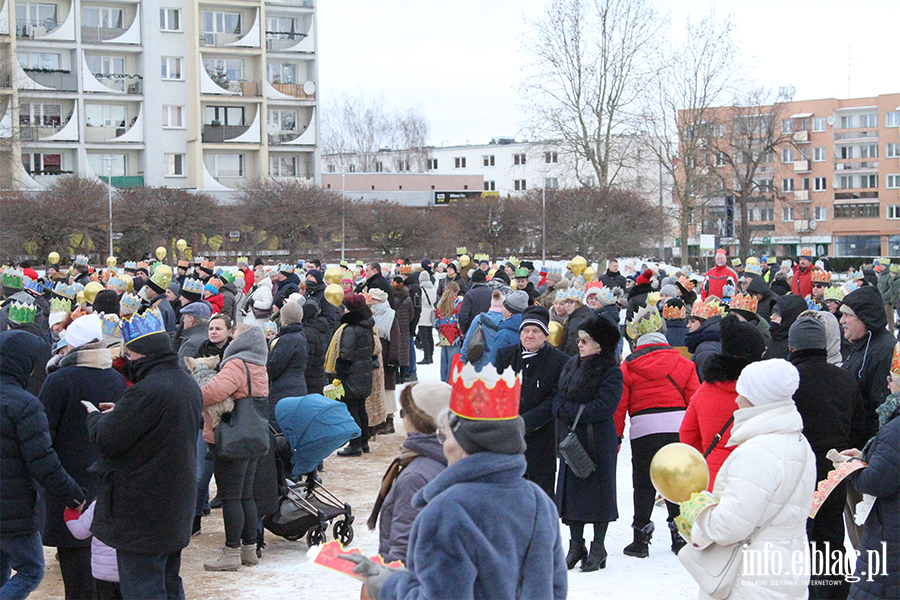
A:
315, 274
501, 437
652, 338
516, 302
423, 277
537, 316
429, 399
354, 301
84, 330
741, 339
175, 289
807, 333
497, 301
378, 294
669, 290
479, 276
768, 382
291, 313
107, 302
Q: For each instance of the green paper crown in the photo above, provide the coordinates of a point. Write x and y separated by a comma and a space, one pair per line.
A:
521, 272
646, 320
21, 312
59, 305
12, 278
461, 250
513, 261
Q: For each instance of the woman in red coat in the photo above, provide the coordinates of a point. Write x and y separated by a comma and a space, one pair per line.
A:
657, 383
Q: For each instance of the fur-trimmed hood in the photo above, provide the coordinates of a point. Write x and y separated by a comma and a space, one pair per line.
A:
723, 367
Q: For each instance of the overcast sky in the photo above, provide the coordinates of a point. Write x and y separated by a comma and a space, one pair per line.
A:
459, 61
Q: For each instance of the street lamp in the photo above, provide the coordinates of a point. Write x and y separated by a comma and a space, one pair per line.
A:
343, 210
107, 161
544, 220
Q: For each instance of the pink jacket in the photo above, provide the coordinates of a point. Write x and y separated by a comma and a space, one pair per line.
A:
103, 558
232, 381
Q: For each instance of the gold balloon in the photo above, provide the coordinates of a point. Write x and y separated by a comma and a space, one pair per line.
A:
677, 471
91, 290
589, 274
181, 245
129, 282
578, 265
464, 260
111, 262
79, 298
334, 294
53, 259
161, 252
333, 275
556, 334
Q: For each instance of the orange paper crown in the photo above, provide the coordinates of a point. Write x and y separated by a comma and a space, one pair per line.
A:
673, 312
484, 395
820, 276
143, 265
208, 264
806, 252
895, 363
705, 310
183, 264
744, 301
686, 283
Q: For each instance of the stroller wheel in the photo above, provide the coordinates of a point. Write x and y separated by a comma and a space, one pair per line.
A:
315, 536
343, 531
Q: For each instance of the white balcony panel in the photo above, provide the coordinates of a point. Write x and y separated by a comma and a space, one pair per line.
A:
251, 136
133, 35
251, 39
208, 86
308, 137
28, 181
24, 82
6, 124
66, 31
801, 195
4, 18
69, 132
273, 94
91, 83
136, 132
210, 183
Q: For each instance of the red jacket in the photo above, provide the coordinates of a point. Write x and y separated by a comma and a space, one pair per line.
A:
716, 279
248, 279
646, 383
217, 302
801, 284
709, 410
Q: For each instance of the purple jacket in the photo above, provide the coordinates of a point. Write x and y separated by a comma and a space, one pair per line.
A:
103, 558
397, 513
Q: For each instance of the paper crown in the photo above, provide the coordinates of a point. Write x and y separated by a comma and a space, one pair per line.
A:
743, 301
161, 279
460, 250
142, 264
183, 264
405, 269
721, 251
751, 260
686, 283
646, 320
360, 263
81, 260
484, 395
138, 326
673, 312
735, 262
22, 312
574, 293
705, 310
754, 269
226, 276
110, 326
521, 272
243, 260
806, 252
286, 268
36, 287
192, 286
131, 266
116, 284
47, 286
129, 304
270, 327
198, 260
64, 291
60, 305
77, 288
895, 268
12, 278
820, 276
344, 264
513, 261
884, 260
606, 297
834, 293
895, 362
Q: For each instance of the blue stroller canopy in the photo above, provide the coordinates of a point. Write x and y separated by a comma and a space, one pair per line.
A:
315, 426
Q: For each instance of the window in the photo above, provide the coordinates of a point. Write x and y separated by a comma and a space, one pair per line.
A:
102, 17
820, 213
787, 126
893, 211
892, 150
892, 119
280, 28
868, 181
551, 157
846, 152
490, 186
40, 115
847, 122
770, 156
820, 184
766, 185
104, 115
231, 69
225, 165
868, 151
806, 183
432, 164
42, 164
518, 159
108, 65
173, 117
787, 213
282, 166
818, 124
379, 167
175, 165
223, 115
108, 165
459, 162
519, 185
857, 245
787, 185
33, 14
331, 168
217, 23
787, 155
281, 72
170, 19
868, 120
893, 182
818, 154
171, 67
488, 160
402, 165
285, 119
590, 181
38, 60
551, 182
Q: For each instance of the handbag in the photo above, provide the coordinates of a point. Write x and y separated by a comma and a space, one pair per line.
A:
243, 434
478, 341
574, 454
715, 568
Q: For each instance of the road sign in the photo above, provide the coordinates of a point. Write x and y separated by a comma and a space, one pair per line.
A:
707, 241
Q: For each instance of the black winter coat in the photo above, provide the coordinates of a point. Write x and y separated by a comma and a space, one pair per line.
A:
325, 309
287, 365
579, 317
148, 460
613, 280
676, 329
789, 307
595, 383
540, 385
318, 336
442, 285
703, 343
764, 305
476, 301
85, 374
290, 285
354, 365
27, 458
415, 294
229, 294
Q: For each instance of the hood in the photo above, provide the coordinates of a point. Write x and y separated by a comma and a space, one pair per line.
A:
19, 354
867, 304
790, 307
652, 361
250, 347
93, 356
266, 283
290, 278
512, 322
425, 444
310, 310
758, 286
778, 417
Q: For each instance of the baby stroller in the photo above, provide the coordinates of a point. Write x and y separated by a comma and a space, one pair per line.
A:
312, 428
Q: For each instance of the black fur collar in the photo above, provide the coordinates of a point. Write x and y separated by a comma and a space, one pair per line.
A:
723, 367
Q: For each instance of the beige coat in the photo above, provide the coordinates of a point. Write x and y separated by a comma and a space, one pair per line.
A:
375, 402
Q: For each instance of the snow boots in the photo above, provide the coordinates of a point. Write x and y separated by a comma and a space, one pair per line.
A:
248, 555
195, 528
677, 541
577, 552
229, 560
596, 559
640, 547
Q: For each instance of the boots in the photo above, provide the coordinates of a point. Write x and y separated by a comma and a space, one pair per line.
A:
354, 448
639, 548
195, 528
577, 552
229, 560
248, 555
678, 542
596, 559
388, 427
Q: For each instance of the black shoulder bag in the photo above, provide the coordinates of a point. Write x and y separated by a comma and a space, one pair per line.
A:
573, 452
243, 434
719, 436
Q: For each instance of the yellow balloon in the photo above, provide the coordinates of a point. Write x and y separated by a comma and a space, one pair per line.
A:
129, 282
161, 252
111, 262
677, 471
556, 334
578, 265
589, 274
333, 275
181, 245
53, 259
91, 290
79, 298
334, 294
464, 260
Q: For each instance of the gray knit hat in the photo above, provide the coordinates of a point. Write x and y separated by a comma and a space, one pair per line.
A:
502, 437
807, 333
516, 302
291, 313
669, 290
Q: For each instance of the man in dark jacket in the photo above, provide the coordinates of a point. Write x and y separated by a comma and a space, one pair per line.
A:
315, 289
27, 459
288, 283
354, 367
318, 336
286, 364
375, 280
148, 464
476, 301
765, 297
613, 278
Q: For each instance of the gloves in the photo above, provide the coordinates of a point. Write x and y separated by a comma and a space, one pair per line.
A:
691, 509
374, 573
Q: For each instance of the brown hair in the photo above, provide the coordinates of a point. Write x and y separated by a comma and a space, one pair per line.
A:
222, 317
447, 302
419, 420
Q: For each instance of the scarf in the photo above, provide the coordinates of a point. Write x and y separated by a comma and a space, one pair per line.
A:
384, 319
387, 482
334, 349
884, 411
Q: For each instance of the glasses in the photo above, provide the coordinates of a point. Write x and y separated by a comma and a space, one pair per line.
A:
402, 414
584, 340
820, 285
441, 436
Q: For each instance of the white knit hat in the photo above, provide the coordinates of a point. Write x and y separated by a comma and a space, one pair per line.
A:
768, 381
84, 330
431, 397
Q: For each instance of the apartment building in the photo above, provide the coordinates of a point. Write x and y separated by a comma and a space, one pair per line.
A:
196, 94
832, 184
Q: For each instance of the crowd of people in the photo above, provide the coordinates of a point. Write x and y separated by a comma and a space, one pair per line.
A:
116, 379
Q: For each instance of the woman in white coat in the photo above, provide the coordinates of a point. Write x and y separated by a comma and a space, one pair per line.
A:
426, 319
256, 309
767, 482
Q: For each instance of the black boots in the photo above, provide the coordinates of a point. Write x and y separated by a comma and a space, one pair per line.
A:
577, 552
596, 559
354, 448
639, 548
195, 528
677, 541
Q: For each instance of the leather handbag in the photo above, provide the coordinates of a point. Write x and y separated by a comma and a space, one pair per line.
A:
243, 434
573, 452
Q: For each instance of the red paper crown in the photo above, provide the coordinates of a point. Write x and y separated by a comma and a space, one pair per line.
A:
686, 283
706, 310
895, 362
595, 284
484, 395
820, 276
673, 312
744, 302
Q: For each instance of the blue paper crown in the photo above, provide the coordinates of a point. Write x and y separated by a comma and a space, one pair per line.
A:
32, 285
129, 303
81, 260
111, 327
48, 286
132, 265
115, 283
65, 291
142, 325
194, 286
286, 268
76, 287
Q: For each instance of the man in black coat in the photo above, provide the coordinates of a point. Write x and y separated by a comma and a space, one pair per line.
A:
315, 289
27, 459
613, 278
375, 280
148, 464
286, 364
318, 336
354, 367
476, 301
288, 283
540, 365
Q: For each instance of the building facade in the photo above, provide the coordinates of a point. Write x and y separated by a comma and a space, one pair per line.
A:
188, 94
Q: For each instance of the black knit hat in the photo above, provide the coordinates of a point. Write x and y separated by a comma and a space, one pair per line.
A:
106, 302
537, 316
479, 276
741, 339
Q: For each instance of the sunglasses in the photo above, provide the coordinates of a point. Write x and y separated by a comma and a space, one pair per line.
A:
584, 340
820, 285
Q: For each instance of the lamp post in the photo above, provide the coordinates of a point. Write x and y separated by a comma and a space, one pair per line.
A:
343, 210
107, 161
544, 220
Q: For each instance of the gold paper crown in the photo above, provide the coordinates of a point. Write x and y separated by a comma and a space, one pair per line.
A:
461, 250
705, 310
895, 362
806, 252
834, 293
673, 312
686, 283
243, 259
744, 301
406, 269
820, 276
735, 262
513, 261
59, 305
646, 320
484, 395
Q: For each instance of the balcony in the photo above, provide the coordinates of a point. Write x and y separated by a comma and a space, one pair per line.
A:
34, 133
35, 29
295, 3
101, 34
801, 195
805, 225
213, 134
125, 181
296, 90
61, 81
856, 135
801, 166
856, 166
281, 42
855, 195
801, 136
219, 40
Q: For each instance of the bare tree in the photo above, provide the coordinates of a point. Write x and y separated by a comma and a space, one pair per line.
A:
590, 64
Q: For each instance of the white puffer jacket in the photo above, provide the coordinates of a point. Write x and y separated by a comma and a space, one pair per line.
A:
261, 297
752, 486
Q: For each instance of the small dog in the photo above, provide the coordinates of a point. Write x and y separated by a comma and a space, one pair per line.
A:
203, 370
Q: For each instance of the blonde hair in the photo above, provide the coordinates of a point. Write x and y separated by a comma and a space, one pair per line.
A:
241, 328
